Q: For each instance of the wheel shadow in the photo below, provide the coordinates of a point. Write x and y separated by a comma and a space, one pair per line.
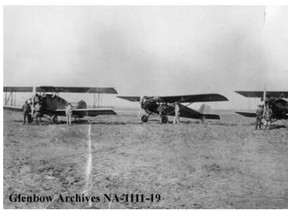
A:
275, 127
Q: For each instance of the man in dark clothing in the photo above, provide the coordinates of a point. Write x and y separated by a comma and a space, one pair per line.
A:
30, 118
259, 117
26, 112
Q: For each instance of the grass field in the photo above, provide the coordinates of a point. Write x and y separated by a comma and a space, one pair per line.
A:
216, 164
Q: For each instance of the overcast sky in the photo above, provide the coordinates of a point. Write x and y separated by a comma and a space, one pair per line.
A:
149, 50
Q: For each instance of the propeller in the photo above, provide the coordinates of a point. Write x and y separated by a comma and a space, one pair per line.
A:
140, 106
264, 98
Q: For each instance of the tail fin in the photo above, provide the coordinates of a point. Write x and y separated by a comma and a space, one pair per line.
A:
205, 109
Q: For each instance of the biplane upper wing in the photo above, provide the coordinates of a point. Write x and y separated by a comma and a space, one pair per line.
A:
130, 98
17, 89
107, 90
87, 112
259, 94
95, 90
194, 98
247, 114
190, 113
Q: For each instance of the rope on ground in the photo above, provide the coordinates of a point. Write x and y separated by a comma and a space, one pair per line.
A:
88, 171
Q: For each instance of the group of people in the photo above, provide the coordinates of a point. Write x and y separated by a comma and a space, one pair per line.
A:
161, 109
263, 115
33, 108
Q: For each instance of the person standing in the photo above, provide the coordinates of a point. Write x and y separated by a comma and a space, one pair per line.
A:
68, 112
38, 114
177, 113
259, 117
36, 99
267, 116
26, 112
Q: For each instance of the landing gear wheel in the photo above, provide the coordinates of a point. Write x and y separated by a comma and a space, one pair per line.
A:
54, 119
164, 119
144, 118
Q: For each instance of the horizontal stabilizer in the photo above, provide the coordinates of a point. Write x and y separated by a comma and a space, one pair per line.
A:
211, 116
247, 114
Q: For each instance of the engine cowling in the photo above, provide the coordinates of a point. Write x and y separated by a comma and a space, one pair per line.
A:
143, 102
81, 104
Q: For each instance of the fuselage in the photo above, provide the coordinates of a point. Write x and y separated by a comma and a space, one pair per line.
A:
51, 103
150, 104
279, 108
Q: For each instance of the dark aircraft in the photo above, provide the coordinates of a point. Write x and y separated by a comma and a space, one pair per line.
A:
152, 105
274, 99
53, 105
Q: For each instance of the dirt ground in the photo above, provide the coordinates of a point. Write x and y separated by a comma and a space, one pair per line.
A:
217, 164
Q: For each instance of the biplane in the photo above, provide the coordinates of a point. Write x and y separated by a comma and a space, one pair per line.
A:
54, 105
275, 100
164, 106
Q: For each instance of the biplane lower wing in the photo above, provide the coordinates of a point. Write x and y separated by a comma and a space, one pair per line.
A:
87, 112
253, 115
247, 114
94, 112
130, 98
187, 112
80, 112
13, 108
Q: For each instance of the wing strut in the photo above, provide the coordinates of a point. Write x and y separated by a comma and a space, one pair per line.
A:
264, 99
11, 97
96, 100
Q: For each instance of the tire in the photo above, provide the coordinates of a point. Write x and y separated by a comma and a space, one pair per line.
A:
144, 118
164, 119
